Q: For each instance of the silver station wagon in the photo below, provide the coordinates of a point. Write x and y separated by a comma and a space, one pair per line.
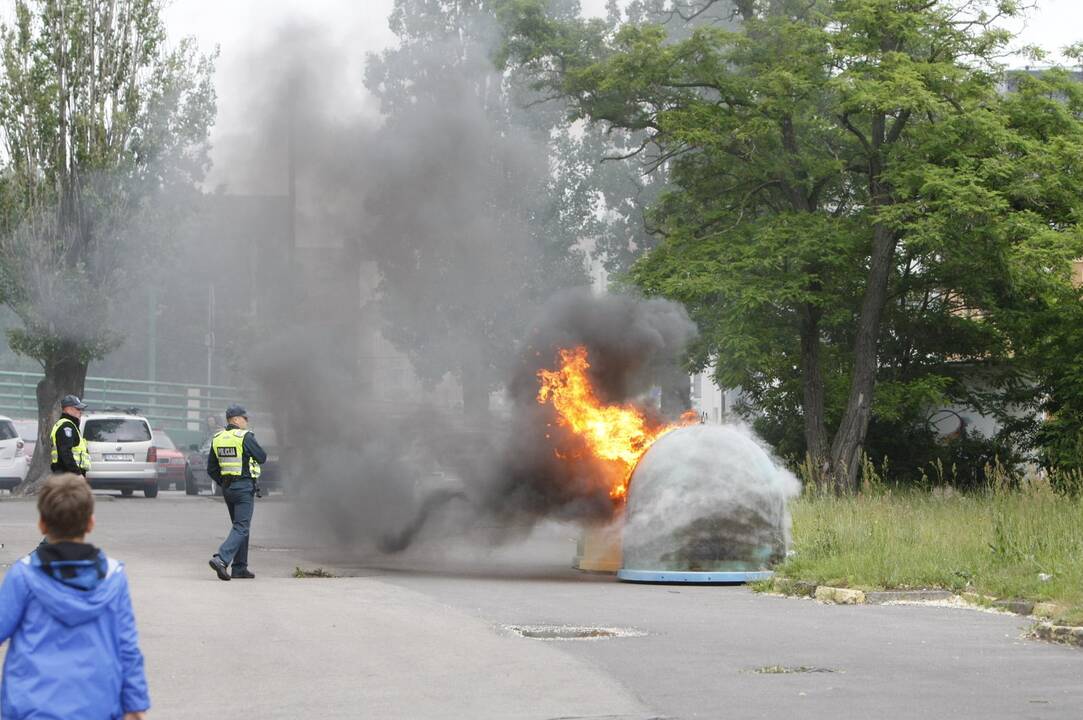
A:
122, 452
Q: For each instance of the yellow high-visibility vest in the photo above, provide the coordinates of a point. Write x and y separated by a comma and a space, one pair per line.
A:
228, 447
79, 451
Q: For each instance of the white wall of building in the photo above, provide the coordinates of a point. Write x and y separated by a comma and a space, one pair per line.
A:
712, 403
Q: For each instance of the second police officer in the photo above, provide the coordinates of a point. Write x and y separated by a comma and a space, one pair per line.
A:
234, 463
70, 454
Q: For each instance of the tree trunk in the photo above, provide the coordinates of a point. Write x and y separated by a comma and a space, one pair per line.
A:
65, 374
850, 437
812, 386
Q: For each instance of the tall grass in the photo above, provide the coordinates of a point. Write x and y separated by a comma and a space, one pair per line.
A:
1019, 540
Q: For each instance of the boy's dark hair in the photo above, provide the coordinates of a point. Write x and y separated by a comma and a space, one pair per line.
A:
65, 504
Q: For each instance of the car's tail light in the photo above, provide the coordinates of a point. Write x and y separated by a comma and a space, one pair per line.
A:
19, 448
152, 454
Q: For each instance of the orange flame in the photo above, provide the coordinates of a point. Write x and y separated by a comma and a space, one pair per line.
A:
618, 434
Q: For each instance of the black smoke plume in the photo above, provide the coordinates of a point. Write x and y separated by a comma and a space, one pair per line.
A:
532, 470
388, 202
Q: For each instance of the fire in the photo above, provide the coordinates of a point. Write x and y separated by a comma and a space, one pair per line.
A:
619, 434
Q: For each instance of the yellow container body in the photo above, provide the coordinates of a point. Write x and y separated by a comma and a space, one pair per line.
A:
599, 549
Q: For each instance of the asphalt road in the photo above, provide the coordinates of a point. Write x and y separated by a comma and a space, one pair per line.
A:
430, 635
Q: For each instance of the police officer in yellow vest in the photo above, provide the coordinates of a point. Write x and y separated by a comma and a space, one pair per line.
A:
234, 463
70, 454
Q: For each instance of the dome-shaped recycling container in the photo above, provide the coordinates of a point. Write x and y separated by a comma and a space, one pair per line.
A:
706, 504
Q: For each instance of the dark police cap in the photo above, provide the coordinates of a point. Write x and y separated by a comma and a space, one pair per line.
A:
72, 401
236, 411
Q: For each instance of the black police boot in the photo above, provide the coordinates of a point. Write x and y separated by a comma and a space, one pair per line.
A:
243, 575
219, 567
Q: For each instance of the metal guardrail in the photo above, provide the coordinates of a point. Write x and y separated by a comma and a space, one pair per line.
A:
181, 409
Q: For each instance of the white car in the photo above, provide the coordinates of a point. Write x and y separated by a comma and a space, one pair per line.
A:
122, 452
28, 430
13, 460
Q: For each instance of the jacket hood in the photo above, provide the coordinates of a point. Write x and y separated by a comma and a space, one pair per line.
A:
74, 591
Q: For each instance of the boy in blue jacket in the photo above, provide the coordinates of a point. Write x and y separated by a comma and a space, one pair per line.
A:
74, 652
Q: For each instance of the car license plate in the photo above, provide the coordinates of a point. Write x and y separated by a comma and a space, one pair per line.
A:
116, 457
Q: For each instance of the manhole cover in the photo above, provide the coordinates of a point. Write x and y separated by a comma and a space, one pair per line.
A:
571, 632
791, 669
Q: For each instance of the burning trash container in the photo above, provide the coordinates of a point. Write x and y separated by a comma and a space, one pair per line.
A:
598, 549
706, 504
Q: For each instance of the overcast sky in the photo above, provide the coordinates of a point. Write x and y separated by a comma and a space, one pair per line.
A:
236, 26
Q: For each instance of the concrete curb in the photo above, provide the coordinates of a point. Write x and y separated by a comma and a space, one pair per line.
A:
1046, 610
896, 596
849, 596
1043, 610
840, 596
1063, 634
1018, 607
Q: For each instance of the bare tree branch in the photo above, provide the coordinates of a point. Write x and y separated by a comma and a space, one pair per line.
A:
845, 120
689, 12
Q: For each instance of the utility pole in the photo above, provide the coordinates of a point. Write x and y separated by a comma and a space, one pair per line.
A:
291, 155
152, 333
285, 426
210, 335
152, 343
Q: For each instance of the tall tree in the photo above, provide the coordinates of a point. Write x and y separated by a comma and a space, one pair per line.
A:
839, 169
1046, 329
99, 117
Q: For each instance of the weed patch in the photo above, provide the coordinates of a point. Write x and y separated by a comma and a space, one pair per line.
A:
1022, 543
299, 572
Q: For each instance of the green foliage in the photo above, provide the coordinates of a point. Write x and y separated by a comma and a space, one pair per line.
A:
1046, 324
1054, 354
99, 120
839, 167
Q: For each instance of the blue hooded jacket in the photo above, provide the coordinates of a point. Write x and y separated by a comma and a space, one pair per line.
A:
74, 651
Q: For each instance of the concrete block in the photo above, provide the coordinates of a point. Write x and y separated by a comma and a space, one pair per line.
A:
840, 596
1064, 634
1046, 610
1019, 607
887, 596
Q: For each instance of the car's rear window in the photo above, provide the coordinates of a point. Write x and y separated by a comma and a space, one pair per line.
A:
163, 441
117, 430
7, 430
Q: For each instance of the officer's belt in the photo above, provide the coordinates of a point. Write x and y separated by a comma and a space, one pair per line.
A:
228, 479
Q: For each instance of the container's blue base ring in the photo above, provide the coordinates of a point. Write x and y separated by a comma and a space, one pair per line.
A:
707, 578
